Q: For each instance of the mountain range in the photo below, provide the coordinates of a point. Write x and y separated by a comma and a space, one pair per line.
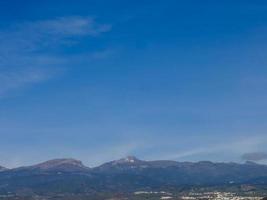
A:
128, 174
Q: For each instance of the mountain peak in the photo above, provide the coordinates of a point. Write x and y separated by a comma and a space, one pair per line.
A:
123, 163
248, 162
63, 164
129, 159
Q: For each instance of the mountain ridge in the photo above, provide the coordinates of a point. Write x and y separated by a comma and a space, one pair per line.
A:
128, 160
60, 176
54, 165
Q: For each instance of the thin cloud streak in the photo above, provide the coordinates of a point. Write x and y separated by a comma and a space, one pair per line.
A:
24, 57
238, 147
69, 26
35, 35
254, 156
11, 80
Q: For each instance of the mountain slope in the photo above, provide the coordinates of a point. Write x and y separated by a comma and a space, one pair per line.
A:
132, 163
186, 173
67, 165
126, 174
57, 165
3, 169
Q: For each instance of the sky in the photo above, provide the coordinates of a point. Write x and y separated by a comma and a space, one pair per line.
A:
98, 80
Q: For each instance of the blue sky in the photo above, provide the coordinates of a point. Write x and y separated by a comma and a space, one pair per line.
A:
99, 80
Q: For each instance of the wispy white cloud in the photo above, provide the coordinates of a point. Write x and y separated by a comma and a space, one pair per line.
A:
233, 147
19, 71
11, 79
35, 35
69, 26
25, 51
254, 156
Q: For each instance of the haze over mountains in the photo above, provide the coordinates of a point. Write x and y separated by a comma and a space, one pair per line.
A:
129, 162
126, 174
